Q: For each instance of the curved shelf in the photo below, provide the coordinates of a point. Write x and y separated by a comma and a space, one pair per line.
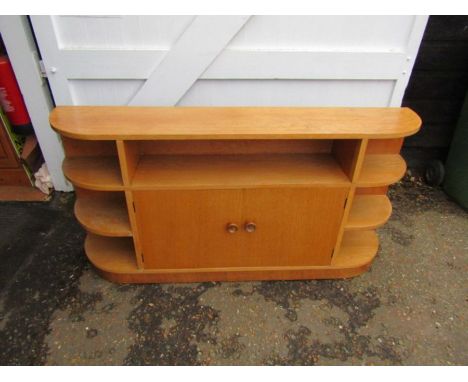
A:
358, 249
111, 254
104, 214
368, 212
94, 173
381, 170
114, 259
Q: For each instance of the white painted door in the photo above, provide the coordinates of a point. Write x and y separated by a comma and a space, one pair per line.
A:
229, 60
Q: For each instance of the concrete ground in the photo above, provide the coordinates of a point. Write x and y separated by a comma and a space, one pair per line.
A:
410, 309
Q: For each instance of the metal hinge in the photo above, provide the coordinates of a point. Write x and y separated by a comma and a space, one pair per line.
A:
142, 258
41, 72
40, 65
42, 69
134, 209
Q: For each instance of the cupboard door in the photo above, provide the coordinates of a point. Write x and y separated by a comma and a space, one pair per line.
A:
292, 226
289, 227
188, 228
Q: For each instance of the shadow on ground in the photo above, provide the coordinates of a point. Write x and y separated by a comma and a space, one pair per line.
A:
411, 308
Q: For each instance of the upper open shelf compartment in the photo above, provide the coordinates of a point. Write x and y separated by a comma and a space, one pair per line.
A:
178, 123
219, 164
92, 165
241, 171
94, 173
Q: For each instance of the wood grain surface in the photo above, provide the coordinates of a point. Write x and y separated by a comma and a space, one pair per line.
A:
134, 123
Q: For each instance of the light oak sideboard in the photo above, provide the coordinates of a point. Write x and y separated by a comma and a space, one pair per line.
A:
172, 194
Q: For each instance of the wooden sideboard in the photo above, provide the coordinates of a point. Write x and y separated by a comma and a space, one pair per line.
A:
232, 193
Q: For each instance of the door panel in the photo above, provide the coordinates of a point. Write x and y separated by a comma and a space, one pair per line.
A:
294, 226
187, 228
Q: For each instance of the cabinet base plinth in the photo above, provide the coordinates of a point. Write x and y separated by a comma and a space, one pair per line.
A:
188, 276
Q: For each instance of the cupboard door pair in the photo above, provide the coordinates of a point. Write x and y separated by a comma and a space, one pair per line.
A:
275, 227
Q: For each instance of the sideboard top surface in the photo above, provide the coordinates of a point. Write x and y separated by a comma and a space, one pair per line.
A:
179, 123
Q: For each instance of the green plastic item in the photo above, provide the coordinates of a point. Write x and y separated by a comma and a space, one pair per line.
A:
456, 166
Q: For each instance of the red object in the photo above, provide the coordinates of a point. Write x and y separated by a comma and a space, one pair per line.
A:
11, 99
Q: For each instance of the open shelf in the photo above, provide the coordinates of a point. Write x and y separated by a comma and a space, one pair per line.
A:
358, 248
381, 170
111, 254
103, 213
368, 212
237, 171
94, 173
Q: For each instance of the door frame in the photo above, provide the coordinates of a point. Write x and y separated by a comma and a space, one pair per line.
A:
22, 51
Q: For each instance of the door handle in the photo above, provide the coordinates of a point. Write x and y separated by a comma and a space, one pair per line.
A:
232, 227
250, 227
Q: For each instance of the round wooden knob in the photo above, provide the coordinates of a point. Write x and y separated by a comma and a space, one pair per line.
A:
232, 228
250, 227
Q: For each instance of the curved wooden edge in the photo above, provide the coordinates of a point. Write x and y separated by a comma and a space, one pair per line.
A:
111, 254
114, 259
368, 212
196, 123
381, 170
94, 173
103, 214
358, 249
229, 276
